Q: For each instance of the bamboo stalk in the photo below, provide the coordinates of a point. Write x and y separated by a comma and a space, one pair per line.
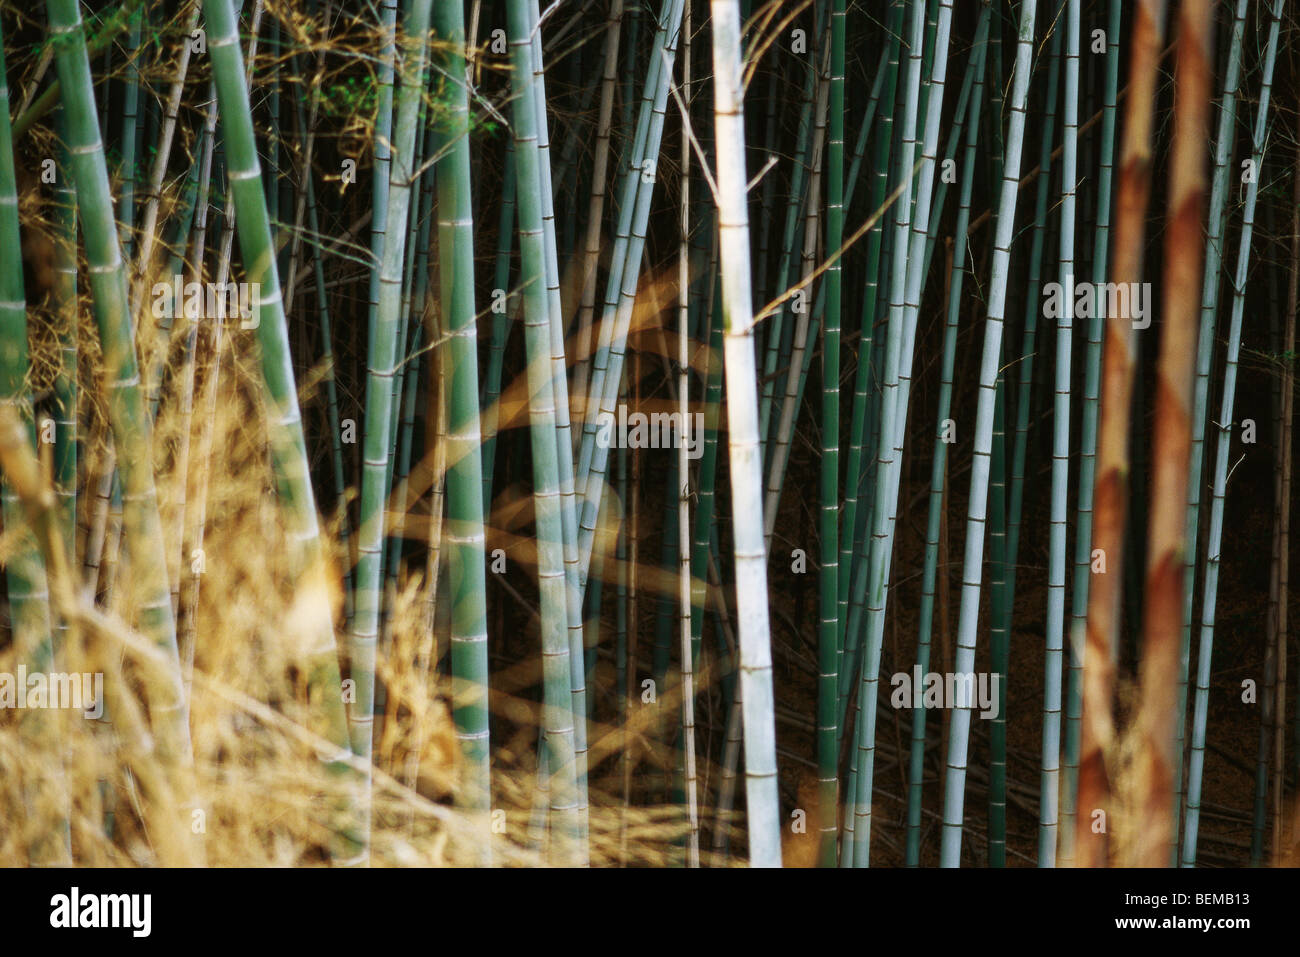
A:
968, 615
742, 421
1111, 484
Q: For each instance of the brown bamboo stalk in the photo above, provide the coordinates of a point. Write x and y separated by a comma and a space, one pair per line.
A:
1111, 486
1171, 443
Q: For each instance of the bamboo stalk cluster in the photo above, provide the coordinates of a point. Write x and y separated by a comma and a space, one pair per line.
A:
427, 199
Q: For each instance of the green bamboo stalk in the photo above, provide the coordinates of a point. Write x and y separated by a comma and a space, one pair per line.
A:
853, 571
288, 450
126, 406
383, 360
999, 643
65, 382
778, 331
828, 634
558, 723
563, 432
29, 597
469, 658
128, 170
502, 320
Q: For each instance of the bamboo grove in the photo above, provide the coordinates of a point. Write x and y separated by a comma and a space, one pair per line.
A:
622, 432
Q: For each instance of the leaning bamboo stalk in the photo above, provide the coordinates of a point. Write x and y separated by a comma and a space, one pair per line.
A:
149, 221
65, 383
1005, 597
1214, 538
991, 360
558, 717
628, 247
1214, 254
288, 450
44, 791
126, 406
911, 230
131, 428
563, 430
596, 208
938, 473
383, 361
857, 415
778, 450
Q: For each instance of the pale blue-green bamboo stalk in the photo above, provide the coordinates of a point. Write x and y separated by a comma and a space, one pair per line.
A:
383, 360
620, 292
563, 432
905, 300
464, 531
991, 360
778, 449
126, 406
1088, 451
596, 208
1050, 776
938, 468
557, 722
1214, 540
1216, 226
